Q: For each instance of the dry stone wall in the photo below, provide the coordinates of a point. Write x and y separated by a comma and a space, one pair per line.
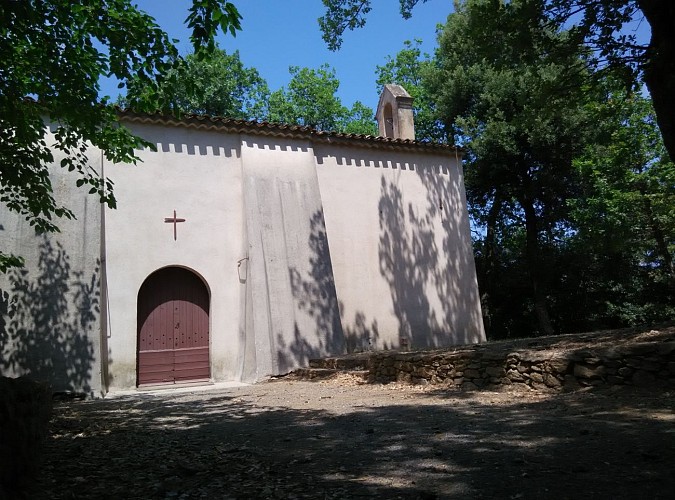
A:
641, 364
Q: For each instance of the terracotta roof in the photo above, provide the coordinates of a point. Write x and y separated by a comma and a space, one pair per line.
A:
219, 123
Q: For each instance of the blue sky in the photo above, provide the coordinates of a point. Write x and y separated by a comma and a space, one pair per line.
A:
277, 34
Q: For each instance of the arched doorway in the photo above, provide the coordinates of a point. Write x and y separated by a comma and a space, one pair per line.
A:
173, 328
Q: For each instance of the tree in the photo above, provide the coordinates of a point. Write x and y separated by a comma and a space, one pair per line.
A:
344, 15
52, 55
360, 120
624, 217
216, 84
509, 86
310, 100
598, 23
408, 69
564, 160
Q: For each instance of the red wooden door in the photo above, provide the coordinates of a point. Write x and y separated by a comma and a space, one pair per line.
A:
173, 328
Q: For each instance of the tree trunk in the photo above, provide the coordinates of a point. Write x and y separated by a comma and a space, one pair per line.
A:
490, 262
659, 67
532, 258
661, 244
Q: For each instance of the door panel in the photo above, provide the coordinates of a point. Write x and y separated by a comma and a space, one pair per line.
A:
173, 327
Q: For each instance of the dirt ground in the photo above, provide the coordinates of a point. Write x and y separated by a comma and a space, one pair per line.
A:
341, 439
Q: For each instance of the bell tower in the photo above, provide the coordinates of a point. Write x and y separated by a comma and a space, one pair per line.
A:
394, 115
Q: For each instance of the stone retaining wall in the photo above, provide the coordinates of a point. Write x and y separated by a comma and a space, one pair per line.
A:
638, 364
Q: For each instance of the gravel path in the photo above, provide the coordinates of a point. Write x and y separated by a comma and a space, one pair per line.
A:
339, 439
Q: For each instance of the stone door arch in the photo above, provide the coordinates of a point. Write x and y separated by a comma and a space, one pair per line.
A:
173, 328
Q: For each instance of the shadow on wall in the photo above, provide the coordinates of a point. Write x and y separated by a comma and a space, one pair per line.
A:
46, 322
360, 336
315, 295
430, 275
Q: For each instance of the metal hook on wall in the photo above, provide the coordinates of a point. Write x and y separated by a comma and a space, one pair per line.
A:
239, 262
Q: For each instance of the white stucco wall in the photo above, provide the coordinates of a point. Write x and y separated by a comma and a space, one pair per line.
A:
293, 315
198, 174
399, 238
50, 323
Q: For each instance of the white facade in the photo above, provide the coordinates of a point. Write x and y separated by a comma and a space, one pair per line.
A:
310, 244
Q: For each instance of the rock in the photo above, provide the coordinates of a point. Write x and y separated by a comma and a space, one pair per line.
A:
406, 366
581, 355
613, 353
515, 376
588, 372
552, 381
648, 364
534, 356
559, 365
493, 356
537, 378
495, 371
666, 348
570, 382
641, 349
643, 378
388, 361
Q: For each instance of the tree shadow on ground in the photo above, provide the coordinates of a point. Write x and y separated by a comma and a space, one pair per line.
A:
47, 321
382, 444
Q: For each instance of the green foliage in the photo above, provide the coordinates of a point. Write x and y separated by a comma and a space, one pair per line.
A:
509, 87
601, 24
216, 84
360, 120
344, 15
409, 69
55, 52
625, 214
310, 100
569, 184
206, 17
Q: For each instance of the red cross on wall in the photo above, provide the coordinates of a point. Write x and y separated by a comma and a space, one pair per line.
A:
173, 220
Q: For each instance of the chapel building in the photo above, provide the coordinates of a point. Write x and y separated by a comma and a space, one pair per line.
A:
240, 250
